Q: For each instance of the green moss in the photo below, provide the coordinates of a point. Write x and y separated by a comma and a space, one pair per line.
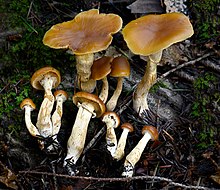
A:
205, 94
205, 18
22, 54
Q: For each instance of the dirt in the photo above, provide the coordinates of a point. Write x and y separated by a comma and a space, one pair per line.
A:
175, 161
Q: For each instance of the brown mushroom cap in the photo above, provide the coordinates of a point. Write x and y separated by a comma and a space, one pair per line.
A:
101, 68
60, 92
152, 33
99, 106
29, 102
120, 67
114, 115
88, 32
152, 130
40, 74
127, 126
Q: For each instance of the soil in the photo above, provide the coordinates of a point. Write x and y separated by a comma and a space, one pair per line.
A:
187, 153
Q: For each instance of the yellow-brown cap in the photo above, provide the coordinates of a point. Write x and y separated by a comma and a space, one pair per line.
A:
112, 115
29, 102
127, 126
152, 33
101, 67
120, 67
88, 32
151, 130
61, 92
40, 74
99, 106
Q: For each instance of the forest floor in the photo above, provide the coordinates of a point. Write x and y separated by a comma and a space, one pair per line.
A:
184, 103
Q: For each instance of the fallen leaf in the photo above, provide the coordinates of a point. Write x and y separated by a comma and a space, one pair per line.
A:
216, 177
7, 177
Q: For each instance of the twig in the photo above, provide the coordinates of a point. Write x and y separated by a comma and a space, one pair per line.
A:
183, 65
128, 179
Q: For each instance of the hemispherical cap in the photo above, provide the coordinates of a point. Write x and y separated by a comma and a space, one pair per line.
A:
29, 102
60, 92
152, 33
120, 67
127, 126
88, 32
41, 73
151, 130
101, 67
99, 106
112, 115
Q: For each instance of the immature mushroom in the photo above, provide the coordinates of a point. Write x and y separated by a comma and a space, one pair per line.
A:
28, 105
150, 133
112, 121
148, 36
60, 96
45, 79
89, 32
120, 69
89, 105
99, 71
119, 153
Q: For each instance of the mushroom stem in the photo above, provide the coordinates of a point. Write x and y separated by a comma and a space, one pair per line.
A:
83, 66
111, 104
140, 95
111, 139
133, 157
104, 91
57, 115
30, 126
119, 153
77, 138
112, 120
56, 121
44, 123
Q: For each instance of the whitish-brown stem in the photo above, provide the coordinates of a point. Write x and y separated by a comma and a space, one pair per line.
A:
44, 123
140, 95
119, 153
111, 104
104, 91
57, 115
133, 157
111, 140
77, 138
83, 67
30, 126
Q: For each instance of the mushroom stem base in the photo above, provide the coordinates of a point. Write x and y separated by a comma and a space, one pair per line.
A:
140, 95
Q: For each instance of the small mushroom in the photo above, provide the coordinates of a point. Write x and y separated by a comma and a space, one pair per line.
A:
45, 79
28, 105
149, 36
112, 121
100, 69
89, 106
119, 153
60, 96
149, 133
89, 32
120, 68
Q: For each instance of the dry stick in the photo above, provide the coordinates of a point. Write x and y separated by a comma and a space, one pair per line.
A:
128, 179
183, 65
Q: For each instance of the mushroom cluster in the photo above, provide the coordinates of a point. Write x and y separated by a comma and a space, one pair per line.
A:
90, 32
47, 126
